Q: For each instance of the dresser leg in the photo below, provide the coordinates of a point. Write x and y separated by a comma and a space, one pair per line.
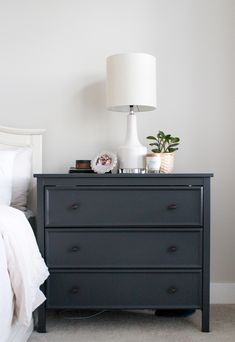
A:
206, 319
41, 328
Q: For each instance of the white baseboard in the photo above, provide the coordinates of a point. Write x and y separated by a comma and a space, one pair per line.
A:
222, 293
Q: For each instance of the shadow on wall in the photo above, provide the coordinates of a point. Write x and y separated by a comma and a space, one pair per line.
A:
90, 104
88, 121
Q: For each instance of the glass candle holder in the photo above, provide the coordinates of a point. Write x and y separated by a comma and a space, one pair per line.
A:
153, 162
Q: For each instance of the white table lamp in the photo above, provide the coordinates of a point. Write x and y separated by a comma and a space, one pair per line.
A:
131, 87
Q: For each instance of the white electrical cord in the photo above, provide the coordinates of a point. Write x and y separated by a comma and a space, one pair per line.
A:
85, 317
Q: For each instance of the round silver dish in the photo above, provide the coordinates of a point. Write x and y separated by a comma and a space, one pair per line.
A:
131, 170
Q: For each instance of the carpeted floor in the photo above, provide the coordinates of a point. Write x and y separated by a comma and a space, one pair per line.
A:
138, 326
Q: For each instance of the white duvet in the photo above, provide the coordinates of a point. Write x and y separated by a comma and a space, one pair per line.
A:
25, 265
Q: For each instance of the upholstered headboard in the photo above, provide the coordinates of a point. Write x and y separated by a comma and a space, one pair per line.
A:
18, 137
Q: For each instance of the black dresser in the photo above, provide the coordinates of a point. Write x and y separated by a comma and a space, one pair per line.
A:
125, 241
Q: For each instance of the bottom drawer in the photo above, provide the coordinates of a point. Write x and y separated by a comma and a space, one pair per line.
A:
124, 289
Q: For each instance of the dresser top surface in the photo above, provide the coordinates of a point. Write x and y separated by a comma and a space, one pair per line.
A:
121, 175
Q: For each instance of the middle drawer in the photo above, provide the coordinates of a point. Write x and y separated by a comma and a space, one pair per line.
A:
123, 248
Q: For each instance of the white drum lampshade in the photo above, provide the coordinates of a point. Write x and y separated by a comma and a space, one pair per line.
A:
131, 87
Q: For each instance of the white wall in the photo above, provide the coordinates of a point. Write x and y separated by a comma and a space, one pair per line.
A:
52, 73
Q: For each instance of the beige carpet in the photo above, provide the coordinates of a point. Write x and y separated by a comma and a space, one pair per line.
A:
141, 326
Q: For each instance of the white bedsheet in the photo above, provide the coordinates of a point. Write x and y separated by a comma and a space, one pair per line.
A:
6, 296
22, 270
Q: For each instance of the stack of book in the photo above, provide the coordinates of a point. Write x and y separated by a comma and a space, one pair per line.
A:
82, 166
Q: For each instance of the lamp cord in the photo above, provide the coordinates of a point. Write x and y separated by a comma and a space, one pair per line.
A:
85, 317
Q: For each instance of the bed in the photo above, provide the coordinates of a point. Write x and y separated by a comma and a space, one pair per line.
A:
22, 270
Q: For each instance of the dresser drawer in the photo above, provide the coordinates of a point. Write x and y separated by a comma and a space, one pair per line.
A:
123, 206
124, 289
117, 249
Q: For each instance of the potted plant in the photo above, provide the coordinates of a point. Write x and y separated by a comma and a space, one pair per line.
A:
166, 145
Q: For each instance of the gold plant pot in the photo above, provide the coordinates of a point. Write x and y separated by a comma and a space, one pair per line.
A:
167, 162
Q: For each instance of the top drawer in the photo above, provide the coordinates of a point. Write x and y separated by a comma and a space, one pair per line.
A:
123, 206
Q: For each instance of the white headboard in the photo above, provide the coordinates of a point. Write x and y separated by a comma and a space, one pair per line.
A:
18, 137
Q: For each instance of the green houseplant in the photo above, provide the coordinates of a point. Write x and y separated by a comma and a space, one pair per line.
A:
166, 145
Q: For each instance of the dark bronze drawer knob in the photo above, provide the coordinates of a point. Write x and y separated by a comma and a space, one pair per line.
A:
74, 206
172, 290
74, 290
172, 206
172, 249
75, 249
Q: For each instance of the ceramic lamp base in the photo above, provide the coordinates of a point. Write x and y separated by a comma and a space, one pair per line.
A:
132, 157
131, 154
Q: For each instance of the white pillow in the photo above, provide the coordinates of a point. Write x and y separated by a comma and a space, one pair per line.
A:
22, 173
6, 172
21, 177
